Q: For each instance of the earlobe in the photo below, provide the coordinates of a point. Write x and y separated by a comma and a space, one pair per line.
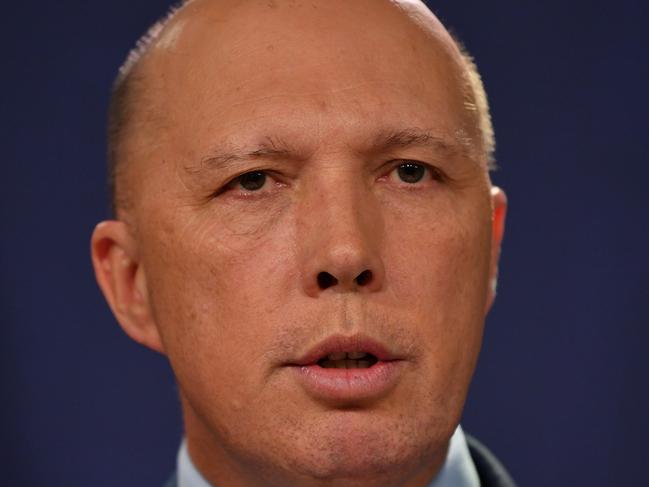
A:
498, 216
123, 282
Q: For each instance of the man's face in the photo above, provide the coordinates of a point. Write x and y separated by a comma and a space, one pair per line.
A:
316, 187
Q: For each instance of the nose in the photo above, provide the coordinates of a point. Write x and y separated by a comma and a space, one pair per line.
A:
340, 243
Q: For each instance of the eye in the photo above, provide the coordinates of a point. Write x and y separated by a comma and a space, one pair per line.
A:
413, 172
252, 184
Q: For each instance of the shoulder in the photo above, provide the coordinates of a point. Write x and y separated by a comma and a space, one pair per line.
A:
491, 472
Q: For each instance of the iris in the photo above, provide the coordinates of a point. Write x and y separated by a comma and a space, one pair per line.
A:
252, 181
411, 173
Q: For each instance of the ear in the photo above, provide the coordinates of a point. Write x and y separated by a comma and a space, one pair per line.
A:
122, 279
499, 212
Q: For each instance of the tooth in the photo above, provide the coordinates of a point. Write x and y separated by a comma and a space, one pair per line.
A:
356, 355
352, 364
364, 364
337, 356
340, 364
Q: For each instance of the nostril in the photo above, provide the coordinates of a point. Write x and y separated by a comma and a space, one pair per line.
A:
364, 277
326, 280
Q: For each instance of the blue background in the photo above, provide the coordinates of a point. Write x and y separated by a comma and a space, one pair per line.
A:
561, 393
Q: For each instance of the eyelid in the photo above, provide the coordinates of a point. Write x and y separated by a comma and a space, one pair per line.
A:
230, 184
435, 172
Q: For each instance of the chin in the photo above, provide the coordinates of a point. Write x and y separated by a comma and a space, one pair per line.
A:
370, 452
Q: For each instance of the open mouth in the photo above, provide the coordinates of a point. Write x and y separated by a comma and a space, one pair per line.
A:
347, 360
348, 369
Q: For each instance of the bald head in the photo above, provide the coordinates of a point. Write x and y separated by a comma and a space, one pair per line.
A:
207, 29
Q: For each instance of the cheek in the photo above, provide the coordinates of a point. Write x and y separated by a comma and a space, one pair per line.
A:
211, 295
438, 253
438, 267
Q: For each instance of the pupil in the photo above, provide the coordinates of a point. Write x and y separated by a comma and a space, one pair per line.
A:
252, 181
411, 173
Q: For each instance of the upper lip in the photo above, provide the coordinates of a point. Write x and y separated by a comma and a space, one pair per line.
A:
341, 343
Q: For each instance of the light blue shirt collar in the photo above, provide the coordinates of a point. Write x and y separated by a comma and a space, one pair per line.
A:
458, 469
188, 474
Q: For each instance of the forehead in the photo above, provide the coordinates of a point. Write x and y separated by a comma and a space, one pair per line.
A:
304, 69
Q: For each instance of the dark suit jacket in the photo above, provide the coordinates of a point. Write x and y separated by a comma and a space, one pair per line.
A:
490, 470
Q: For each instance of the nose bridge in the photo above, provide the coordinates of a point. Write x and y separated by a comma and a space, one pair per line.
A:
340, 234
345, 206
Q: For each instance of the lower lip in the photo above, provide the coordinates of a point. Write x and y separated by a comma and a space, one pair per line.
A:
349, 385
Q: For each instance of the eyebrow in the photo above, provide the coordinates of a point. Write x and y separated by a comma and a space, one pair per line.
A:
275, 148
414, 137
220, 159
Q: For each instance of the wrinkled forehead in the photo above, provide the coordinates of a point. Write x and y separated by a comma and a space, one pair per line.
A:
227, 46
245, 61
